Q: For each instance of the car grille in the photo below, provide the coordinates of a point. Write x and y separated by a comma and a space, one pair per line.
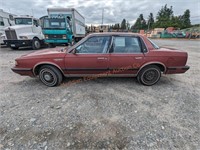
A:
55, 36
11, 34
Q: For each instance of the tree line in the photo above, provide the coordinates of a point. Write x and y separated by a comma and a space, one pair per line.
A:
165, 18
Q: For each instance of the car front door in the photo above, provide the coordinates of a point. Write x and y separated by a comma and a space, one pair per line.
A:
126, 55
91, 57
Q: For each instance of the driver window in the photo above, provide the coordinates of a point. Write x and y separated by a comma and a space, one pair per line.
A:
35, 22
94, 45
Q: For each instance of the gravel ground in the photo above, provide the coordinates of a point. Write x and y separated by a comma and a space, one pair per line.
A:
107, 113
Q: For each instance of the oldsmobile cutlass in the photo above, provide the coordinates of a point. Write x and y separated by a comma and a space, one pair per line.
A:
110, 54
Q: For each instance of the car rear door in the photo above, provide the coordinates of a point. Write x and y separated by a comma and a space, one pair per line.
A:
91, 57
126, 55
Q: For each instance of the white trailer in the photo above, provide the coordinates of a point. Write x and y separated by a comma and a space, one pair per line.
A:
77, 21
6, 19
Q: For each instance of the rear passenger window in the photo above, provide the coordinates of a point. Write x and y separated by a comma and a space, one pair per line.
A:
126, 45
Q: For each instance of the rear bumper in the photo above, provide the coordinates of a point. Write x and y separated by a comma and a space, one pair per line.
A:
18, 43
23, 71
179, 69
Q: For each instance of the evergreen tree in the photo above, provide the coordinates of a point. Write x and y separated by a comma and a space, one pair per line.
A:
123, 24
164, 17
150, 21
186, 19
140, 23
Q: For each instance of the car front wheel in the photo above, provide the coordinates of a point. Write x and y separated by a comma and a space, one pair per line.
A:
50, 75
149, 75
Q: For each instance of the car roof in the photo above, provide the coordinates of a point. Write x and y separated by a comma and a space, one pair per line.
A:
115, 33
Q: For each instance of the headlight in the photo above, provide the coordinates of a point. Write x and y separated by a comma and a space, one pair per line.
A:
64, 37
16, 63
46, 36
23, 37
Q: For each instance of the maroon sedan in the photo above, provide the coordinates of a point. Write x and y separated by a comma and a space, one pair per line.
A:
105, 54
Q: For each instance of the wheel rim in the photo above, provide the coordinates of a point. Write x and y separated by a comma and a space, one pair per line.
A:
150, 76
37, 44
48, 77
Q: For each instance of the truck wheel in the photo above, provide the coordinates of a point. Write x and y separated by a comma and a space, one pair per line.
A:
149, 75
14, 48
36, 44
50, 75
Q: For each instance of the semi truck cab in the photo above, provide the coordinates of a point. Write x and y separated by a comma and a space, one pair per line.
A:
25, 32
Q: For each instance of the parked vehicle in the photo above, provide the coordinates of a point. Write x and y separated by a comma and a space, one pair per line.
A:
6, 19
104, 54
63, 26
25, 32
179, 34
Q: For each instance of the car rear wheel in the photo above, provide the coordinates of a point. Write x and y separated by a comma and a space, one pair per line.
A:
50, 75
36, 44
149, 75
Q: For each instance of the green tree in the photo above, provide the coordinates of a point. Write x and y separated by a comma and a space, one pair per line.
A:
116, 26
123, 24
164, 17
140, 23
186, 19
150, 21
176, 22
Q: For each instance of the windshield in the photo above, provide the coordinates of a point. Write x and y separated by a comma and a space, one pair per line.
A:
54, 23
23, 21
154, 45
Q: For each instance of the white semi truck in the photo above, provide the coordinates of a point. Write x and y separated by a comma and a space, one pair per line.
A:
63, 26
6, 19
25, 32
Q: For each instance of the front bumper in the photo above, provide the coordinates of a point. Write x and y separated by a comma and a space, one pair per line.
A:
57, 41
174, 70
18, 43
23, 71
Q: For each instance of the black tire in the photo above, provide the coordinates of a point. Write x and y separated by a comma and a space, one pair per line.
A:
149, 75
50, 75
14, 48
51, 45
36, 44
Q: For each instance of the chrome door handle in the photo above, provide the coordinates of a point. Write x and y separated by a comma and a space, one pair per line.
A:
138, 57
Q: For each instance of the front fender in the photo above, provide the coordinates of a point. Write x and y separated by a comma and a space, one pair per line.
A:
45, 63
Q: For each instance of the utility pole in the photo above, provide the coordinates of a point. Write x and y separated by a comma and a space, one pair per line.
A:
102, 16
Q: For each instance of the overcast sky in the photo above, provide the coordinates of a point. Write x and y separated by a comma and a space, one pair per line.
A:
114, 10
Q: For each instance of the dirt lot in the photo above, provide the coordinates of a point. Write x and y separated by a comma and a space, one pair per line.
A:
107, 113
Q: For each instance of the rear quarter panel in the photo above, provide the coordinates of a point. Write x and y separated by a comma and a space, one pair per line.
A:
169, 58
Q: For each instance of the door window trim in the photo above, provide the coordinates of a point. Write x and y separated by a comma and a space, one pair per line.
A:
140, 40
106, 52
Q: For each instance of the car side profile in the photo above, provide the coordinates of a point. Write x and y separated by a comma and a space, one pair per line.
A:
111, 54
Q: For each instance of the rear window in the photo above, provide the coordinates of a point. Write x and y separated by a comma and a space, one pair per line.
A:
153, 44
126, 44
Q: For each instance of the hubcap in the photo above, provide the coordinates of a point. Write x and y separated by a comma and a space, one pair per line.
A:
47, 77
149, 75
37, 44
